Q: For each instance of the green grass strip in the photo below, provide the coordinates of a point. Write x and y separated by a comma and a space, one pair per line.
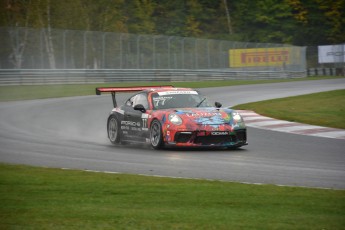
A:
41, 198
324, 109
29, 92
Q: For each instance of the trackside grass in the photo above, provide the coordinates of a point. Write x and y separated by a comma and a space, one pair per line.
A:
41, 198
28, 92
324, 109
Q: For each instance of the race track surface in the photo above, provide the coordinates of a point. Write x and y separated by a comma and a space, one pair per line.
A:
71, 133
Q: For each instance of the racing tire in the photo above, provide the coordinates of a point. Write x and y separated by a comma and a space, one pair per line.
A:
156, 135
113, 129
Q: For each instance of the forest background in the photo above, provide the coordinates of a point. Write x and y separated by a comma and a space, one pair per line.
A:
296, 22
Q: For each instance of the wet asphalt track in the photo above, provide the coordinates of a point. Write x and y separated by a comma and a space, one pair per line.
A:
71, 133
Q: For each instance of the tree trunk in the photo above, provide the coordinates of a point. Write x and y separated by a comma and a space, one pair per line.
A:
228, 16
49, 40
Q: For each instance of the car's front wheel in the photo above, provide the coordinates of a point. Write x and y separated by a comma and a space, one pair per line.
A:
113, 130
156, 135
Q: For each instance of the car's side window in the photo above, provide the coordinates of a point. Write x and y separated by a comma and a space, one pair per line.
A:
140, 98
129, 102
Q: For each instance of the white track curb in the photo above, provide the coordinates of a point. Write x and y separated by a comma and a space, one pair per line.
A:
253, 119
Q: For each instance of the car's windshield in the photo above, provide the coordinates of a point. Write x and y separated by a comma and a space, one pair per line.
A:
178, 99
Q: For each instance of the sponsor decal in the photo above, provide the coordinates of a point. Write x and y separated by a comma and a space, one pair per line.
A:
144, 123
260, 57
177, 92
340, 53
203, 114
144, 115
219, 133
161, 100
131, 123
135, 129
123, 127
332, 54
265, 57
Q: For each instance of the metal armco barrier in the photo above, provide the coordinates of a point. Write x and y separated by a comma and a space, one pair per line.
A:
88, 76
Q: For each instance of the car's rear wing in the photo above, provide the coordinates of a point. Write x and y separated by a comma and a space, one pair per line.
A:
114, 90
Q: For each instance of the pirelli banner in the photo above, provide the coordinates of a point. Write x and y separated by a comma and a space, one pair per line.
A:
278, 56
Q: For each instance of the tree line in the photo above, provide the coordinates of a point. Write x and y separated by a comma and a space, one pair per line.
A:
296, 22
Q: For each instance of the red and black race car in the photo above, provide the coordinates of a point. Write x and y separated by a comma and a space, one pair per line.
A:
168, 116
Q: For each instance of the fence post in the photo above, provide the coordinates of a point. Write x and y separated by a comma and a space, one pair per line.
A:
64, 47
208, 53
169, 53
121, 51
41, 48
103, 49
85, 49
183, 52
196, 53
138, 51
154, 52
220, 54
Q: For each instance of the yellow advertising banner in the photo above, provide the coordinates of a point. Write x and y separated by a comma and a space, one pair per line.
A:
278, 56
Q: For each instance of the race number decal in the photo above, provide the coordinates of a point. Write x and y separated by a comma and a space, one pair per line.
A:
144, 123
144, 118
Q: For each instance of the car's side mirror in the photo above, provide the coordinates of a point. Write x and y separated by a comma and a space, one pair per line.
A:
140, 107
218, 104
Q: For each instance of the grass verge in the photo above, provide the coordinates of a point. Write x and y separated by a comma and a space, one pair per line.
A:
324, 109
29, 92
40, 198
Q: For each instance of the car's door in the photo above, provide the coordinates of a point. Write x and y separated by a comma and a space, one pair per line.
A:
135, 120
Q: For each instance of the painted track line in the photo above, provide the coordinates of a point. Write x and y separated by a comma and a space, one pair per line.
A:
255, 120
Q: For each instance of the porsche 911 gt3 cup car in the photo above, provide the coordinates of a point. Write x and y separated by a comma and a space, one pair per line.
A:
168, 116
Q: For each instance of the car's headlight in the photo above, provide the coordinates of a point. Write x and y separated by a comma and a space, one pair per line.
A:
175, 119
237, 117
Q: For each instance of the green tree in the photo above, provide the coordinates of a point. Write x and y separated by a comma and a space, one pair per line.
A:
334, 19
104, 15
170, 17
318, 22
192, 19
139, 14
298, 22
263, 21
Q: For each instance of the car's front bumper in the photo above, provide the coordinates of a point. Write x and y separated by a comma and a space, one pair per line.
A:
200, 138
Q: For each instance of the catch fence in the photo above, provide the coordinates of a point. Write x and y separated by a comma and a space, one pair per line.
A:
54, 49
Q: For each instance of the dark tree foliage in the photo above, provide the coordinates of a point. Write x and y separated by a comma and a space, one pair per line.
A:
297, 22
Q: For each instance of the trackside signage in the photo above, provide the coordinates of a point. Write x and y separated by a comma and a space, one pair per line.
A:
332, 54
278, 56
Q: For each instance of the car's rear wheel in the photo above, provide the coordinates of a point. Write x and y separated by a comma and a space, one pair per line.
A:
156, 135
113, 130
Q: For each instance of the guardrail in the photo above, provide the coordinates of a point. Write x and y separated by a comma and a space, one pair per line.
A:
326, 71
88, 76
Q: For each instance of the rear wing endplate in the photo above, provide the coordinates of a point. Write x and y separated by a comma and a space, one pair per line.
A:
114, 90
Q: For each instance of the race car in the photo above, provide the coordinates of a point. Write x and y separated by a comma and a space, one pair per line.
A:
167, 116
